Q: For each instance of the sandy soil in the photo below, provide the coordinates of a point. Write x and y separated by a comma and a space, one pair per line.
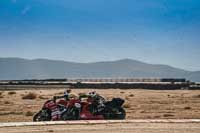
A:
140, 104
109, 128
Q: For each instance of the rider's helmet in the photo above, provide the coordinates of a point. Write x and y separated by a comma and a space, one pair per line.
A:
66, 93
69, 91
92, 94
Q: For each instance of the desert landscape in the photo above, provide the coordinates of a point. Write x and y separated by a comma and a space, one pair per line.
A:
21, 105
145, 53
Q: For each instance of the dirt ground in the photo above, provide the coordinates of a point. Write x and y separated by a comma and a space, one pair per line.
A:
109, 128
140, 104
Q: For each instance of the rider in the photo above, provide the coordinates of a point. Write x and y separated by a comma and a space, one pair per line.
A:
65, 96
97, 102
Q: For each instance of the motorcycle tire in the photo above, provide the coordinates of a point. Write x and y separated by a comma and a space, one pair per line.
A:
115, 114
42, 115
121, 114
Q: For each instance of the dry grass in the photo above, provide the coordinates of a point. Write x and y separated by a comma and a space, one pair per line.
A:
50, 131
131, 95
168, 115
127, 105
42, 97
1, 95
143, 111
11, 93
30, 96
196, 96
187, 108
29, 113
7, 102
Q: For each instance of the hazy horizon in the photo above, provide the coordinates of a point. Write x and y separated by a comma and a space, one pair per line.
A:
151, 31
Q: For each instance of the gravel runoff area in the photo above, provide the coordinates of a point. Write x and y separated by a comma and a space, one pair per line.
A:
21, 105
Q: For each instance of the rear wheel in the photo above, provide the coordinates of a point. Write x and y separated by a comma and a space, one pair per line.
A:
115, 114
42, 115
120, 114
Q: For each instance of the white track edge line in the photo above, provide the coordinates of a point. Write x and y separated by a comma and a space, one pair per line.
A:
88, 122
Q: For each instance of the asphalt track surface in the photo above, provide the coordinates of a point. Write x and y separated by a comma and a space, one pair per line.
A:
126, 126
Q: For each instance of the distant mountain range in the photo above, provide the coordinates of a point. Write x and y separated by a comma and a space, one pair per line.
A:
17, 68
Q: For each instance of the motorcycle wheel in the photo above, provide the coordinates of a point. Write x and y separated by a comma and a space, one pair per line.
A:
71, 114
115, 114
121, 114
42, 115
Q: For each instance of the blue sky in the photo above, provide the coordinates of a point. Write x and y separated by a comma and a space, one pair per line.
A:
153, 31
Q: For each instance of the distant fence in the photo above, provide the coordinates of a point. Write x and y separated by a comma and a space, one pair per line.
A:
35, 87
100, 86
155, 86
127, 80
106, 83
96, 80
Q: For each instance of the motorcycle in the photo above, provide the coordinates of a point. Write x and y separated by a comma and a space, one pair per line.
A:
78, 109
113, 109
62, 110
